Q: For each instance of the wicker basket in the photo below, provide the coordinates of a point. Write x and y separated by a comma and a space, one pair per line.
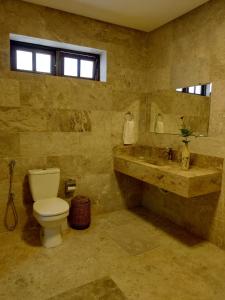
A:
80, 212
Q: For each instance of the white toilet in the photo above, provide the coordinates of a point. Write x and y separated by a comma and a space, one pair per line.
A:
49, 210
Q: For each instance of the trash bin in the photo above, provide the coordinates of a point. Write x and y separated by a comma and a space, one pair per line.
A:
80, 212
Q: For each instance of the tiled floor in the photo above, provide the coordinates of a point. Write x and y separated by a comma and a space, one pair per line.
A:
104, 289
123, 255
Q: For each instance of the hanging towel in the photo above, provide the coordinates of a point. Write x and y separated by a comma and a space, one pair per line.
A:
129, 132
159, 127
159, 124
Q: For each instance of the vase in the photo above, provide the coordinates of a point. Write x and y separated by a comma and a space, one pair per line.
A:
185, 158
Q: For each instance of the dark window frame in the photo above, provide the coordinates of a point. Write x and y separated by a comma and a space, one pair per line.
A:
14, 46
57, 59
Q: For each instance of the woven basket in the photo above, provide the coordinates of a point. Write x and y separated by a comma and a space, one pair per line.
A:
80, 212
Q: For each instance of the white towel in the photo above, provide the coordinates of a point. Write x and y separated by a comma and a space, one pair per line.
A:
129, 132
159, 124
159, 127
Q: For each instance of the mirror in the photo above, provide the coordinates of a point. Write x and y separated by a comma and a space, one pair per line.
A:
167, 109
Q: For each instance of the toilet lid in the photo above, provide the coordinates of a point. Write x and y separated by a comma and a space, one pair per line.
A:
51, 207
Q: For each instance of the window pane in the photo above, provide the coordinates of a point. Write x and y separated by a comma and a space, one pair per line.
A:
191, 89
70, 66
198, 89
86, 68
24, 60
43, 62
209, 89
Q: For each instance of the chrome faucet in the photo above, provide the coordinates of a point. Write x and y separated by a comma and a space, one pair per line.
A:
169, 152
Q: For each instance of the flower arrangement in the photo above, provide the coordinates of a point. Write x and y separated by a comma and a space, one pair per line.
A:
185, 131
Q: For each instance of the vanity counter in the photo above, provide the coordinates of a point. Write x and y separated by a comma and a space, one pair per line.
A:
167, 175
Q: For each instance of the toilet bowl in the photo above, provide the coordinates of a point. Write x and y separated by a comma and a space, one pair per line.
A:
49, 210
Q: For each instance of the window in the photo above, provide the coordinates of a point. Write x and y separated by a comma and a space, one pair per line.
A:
24, 60
82, 65
43, 62
70, 66
34, 58
201, 90
86, 68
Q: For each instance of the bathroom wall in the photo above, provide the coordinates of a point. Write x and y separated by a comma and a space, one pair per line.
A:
41, 117
185, 52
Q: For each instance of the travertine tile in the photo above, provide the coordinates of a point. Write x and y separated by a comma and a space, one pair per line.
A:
9, 95
44, 143
69, 121
170, 177
33, 92
185, 52
9, 144
79, 265
104, 288
22, 119
129, 238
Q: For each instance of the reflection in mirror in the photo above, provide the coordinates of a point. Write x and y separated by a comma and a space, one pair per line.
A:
165, 109
201, 90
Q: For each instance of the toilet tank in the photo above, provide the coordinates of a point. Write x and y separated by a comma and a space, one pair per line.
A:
44, 183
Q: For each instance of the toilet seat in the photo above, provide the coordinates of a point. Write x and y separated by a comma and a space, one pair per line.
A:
50, 207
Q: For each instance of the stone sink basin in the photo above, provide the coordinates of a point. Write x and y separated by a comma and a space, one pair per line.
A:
168, 175
154, 162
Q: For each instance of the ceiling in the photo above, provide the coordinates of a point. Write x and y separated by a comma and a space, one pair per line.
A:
144, 15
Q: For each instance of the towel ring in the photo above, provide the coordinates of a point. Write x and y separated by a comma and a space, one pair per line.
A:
129, 115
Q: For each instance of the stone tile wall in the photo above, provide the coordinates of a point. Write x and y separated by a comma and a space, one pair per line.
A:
48, 121
185, 52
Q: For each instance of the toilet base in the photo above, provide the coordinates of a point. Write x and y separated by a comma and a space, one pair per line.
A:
51, 237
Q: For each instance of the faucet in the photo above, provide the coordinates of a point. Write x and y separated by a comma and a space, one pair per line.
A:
169, 152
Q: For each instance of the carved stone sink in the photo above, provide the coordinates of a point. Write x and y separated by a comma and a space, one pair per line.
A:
169, 175
153, 161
